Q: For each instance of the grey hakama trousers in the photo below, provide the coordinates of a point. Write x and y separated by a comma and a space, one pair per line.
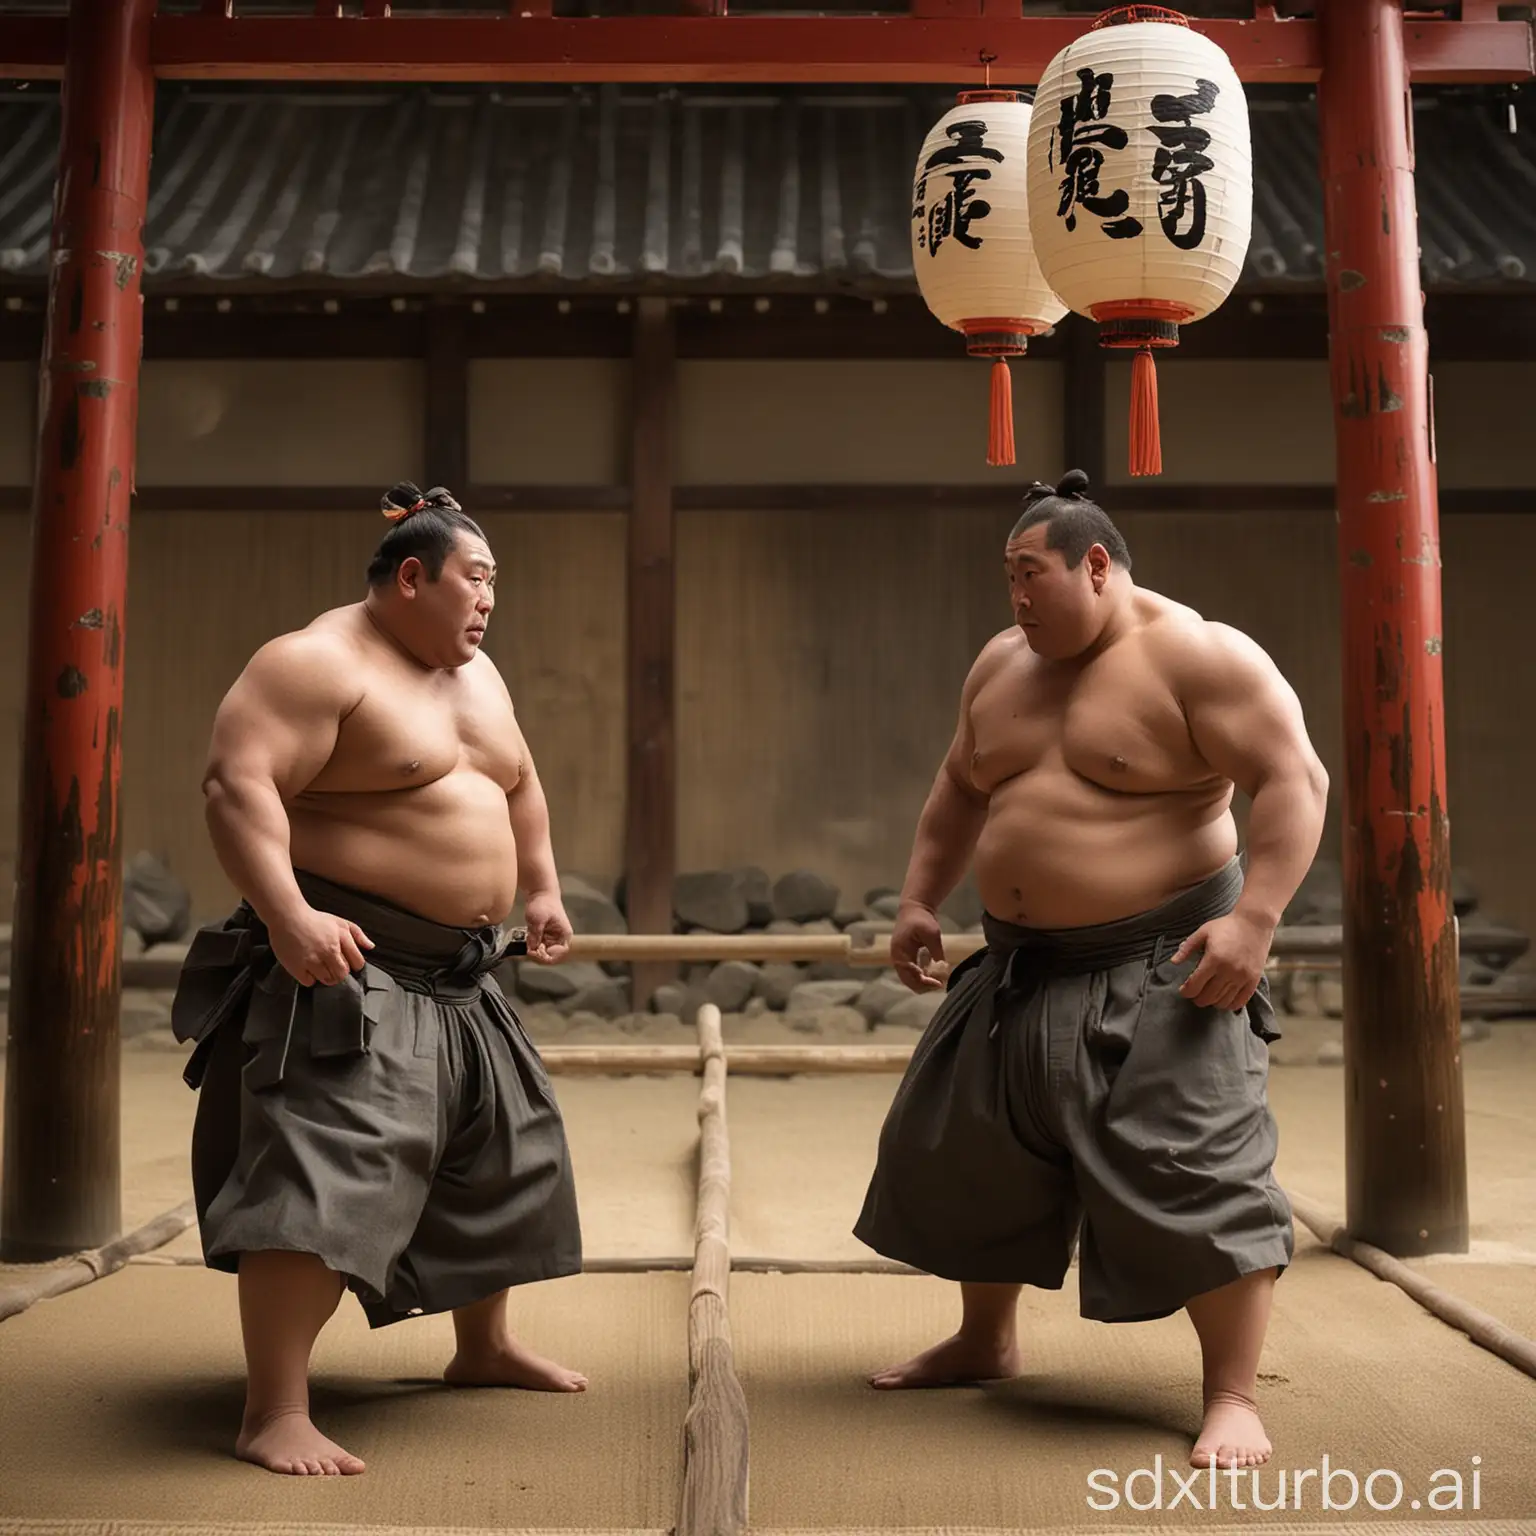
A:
1064, 1089
398, 1125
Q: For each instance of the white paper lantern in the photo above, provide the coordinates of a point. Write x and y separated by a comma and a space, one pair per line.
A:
971, 246
1141, 188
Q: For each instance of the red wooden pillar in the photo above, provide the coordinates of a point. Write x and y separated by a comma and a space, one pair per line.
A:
1405, 1142
61, 1167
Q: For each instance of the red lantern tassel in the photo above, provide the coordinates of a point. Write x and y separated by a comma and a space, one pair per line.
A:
1146, 441
1000, 439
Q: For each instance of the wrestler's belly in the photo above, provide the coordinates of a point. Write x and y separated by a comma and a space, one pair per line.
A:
1058, 852
444, 851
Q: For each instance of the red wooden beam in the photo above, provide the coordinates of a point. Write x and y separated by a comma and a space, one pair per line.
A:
945, 47
1405, 1150
61, 1166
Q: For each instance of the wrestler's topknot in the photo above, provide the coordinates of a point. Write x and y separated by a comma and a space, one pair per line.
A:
1075, 524
400, 501
426, 523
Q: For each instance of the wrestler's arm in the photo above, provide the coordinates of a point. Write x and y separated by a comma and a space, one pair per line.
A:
529, 813
1247, 724
549, 929
274, 732
956, 811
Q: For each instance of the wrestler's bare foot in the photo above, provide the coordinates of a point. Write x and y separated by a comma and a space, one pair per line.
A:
287, 1441
510, 1364
1231, 1435
958, 1361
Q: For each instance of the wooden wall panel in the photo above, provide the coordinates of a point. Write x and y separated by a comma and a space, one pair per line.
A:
280, 423
18, 391
545, 421
1229, 423
755, 422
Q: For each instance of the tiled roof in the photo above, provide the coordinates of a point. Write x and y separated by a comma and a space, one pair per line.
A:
625, 186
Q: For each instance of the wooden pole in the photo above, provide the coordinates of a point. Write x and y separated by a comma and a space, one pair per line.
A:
743, 1060
61, 1189
1083, 404
651, 814
1405, 1140
715, 1427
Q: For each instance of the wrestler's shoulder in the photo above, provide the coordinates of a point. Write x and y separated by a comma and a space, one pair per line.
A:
1007, 645
1185, 643
325, 653
331, 635
1004, 652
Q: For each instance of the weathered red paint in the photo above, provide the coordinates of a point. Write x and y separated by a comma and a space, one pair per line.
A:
1405, 1142
61, 1170
942, 42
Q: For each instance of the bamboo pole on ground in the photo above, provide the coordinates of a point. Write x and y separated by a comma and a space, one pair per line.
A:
715, 1429
1479, 1326
98, 1262
629, 1264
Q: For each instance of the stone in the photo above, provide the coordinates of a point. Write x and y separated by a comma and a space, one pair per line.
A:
156, 905
1330, 1053
879, 997
1330, 996
607, 999
588, 908
845, 917
883, 909
876, 892
819, 925
802, 896
140, 1013
756, 888
916, 1010
756, 1007
711, 899
781, 925
776, 980
540, 983
543, 1021
681, 1001
836, 970
815, 996
836, 1022
731, 984
1463, 892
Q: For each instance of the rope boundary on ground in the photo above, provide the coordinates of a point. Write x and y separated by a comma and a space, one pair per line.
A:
1479, 1326
83, 1268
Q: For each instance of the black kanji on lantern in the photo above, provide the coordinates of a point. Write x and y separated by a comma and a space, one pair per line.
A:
1078, 143
1181, 161
952, 215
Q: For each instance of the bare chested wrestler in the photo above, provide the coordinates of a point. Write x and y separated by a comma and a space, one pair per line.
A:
1097, 1074
371, 1114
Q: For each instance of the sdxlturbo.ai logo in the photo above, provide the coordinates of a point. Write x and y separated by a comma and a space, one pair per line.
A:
1268, 1488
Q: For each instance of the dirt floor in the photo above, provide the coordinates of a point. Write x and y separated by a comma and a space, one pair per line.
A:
118, 1401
